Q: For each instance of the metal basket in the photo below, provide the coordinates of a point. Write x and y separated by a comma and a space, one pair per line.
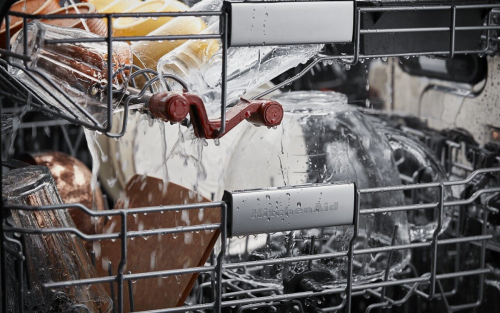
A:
222, 288
15, 90
249, 299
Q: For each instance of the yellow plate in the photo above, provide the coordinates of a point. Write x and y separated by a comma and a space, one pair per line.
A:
149, 52
99, 4
126, 26
116, 6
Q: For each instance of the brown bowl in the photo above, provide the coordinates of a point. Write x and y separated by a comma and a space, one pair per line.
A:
167, 252
28, 7
73, 180
95, 25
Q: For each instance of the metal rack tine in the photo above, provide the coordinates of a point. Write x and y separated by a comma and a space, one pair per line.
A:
112, 287
20, 266
482, 265
220, 258
350, 253
311, 251
289, 242
92, 258
212, 277
443, 296
391, 302
131, 294
389, 258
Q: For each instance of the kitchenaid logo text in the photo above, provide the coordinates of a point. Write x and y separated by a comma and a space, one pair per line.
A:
268, 213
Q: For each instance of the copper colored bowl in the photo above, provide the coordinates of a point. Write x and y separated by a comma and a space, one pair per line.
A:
28, 7
73, 179
95, 25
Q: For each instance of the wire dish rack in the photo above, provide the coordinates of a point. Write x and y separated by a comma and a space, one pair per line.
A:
227, 293
365, 36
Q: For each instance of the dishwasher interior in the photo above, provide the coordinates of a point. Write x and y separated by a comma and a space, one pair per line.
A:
151, 171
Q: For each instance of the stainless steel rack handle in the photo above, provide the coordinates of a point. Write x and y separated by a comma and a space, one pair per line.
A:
290, 23
290, 208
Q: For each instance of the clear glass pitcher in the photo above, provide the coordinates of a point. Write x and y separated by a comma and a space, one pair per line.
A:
321, 139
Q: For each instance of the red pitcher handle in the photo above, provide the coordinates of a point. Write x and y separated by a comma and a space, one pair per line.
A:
174, 107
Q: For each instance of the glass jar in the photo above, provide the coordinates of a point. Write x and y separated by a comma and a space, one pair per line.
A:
49, 257
474, 212
71, 73
418, 165
321, 139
